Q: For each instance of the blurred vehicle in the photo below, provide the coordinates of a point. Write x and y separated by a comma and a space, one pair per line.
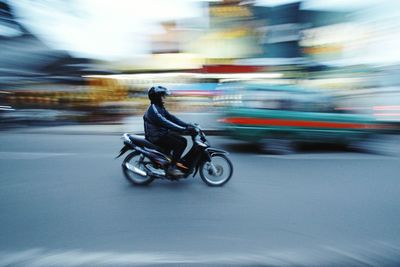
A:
381, 103
277, 117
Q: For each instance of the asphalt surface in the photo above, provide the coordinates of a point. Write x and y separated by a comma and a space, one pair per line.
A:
65, 202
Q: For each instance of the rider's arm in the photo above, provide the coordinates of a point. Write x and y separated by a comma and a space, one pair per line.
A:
176, 120
163, 121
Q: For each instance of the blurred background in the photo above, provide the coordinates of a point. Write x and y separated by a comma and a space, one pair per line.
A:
266, 77
85, 62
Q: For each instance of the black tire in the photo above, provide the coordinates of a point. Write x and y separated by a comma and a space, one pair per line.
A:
277, 146
222, 164
132, 161
381, 144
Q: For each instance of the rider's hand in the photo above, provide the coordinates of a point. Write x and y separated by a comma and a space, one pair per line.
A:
190, 129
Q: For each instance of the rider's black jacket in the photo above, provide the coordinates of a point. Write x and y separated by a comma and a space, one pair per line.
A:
158, 122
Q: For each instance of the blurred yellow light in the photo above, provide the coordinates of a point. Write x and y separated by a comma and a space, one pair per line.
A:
230, 11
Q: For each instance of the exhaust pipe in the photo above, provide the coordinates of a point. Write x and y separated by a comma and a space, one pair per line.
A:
135, 170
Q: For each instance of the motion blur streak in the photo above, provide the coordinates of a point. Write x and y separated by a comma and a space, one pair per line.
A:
373, 254
297, 123
386, 108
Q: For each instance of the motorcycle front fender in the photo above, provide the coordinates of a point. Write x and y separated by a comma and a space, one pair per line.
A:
212, 151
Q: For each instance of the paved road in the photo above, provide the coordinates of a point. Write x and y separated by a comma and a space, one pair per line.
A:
64, 202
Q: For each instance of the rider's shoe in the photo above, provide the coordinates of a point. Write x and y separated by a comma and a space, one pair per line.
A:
173, 171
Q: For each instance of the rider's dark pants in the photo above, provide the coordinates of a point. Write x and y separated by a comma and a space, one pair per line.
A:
173, 142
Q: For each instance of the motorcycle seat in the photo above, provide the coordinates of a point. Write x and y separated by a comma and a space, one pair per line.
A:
141, 141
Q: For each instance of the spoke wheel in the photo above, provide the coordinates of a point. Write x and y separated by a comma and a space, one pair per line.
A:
135, 171
217, 172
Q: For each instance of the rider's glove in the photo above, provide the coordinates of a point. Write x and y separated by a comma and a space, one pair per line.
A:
190, 129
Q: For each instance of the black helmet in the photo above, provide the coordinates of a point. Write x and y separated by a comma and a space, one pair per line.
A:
156, 92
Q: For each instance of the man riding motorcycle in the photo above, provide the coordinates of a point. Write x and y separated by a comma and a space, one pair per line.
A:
158, 124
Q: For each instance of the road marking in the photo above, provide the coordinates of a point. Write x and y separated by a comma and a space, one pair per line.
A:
31, 155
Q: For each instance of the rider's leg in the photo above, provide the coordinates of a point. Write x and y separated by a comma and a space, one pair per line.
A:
177, 144
173, 142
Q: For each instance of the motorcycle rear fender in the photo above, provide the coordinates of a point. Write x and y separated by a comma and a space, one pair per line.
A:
123, 150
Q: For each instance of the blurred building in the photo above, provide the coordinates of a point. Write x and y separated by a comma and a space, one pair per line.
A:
26, 59
39, 82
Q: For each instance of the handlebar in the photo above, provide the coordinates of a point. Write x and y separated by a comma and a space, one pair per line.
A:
193, 129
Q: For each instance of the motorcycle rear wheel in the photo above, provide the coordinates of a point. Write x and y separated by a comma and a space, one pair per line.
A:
222, 173
134, 171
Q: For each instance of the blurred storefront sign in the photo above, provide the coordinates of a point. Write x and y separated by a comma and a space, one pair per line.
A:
279, 31
230, 11
292, 35
231, 34
158, 62
339, 41
288, 32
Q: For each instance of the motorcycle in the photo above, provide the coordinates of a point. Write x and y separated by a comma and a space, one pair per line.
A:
148, 162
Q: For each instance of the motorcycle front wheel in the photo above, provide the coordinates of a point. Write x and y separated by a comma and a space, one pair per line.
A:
218, 171
134, 169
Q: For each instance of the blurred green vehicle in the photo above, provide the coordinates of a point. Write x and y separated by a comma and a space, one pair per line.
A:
277, 117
